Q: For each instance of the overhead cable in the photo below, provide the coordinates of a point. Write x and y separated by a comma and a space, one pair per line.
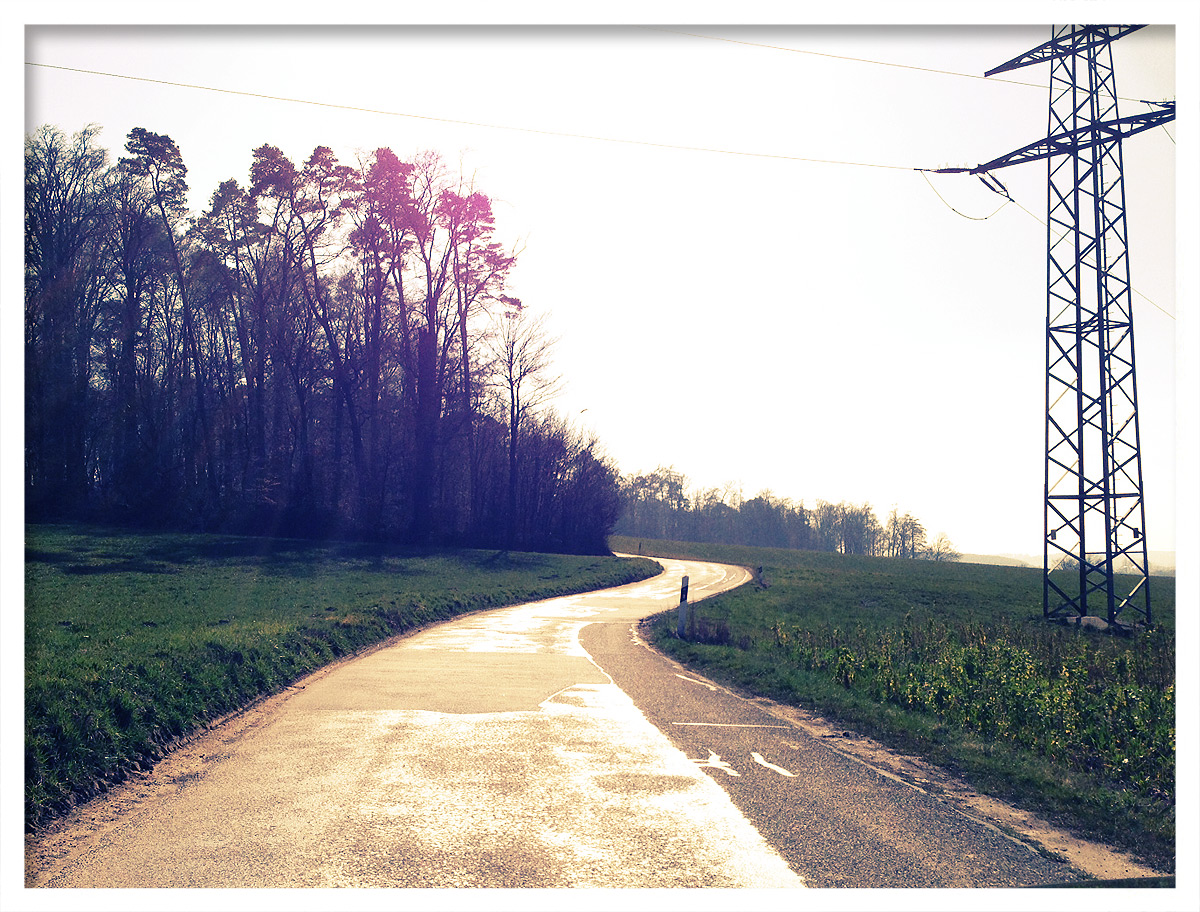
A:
1091, 263
902, 66
769, 155
974, 218
468, 123
1000, 189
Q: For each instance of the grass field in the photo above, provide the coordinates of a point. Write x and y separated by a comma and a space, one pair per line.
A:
132, 641
954, 662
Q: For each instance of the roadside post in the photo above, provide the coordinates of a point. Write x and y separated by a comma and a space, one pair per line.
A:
683, 610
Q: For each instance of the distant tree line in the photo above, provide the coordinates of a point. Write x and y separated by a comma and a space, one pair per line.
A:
330, 350
660, 505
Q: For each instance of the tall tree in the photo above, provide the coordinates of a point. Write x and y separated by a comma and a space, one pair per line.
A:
230, 230
523, 352
382, 241
136, 258
321, 198
457, 267
433, 337
307, 357
304, 209
64, 228
480, 270
156, 158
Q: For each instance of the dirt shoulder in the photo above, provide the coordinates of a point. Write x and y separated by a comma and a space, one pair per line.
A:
1100, 861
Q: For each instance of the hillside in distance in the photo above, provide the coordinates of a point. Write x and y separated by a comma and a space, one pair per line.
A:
1162, 563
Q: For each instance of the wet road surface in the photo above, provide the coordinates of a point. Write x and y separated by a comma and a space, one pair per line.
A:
536, 746
490, 751
838, 822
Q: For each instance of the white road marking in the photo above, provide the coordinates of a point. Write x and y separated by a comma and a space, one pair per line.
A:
694, 681
771, 766
716, 763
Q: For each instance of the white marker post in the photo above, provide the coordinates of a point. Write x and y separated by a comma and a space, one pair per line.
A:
683, 609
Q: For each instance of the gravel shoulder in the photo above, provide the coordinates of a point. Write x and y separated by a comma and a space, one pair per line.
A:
1097, 860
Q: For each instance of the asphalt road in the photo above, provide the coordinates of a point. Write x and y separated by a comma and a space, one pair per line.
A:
837, 822
536, 746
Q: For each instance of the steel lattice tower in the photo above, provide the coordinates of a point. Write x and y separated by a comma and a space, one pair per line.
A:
1094, 509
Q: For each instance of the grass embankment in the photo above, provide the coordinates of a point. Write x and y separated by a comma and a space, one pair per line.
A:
133, 641
954, 662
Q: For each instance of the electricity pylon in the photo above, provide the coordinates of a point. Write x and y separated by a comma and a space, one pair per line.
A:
1095, 517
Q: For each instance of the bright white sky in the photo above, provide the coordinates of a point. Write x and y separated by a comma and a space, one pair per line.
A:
800, 311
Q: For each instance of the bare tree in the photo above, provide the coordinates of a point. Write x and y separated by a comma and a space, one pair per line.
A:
64, 224
523, 363
942, 549
325, 326
157, 159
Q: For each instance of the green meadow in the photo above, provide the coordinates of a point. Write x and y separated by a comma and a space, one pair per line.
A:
954, 662
135, 640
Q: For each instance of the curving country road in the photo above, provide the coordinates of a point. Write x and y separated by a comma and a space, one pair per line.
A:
541, 745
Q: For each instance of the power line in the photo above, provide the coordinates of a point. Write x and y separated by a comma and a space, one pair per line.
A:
467, 123
974, 218
901, 66
1009, 199
364, 110
1042, 222
566, 135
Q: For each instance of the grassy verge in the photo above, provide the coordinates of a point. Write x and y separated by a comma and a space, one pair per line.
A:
954, 662
133, 641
